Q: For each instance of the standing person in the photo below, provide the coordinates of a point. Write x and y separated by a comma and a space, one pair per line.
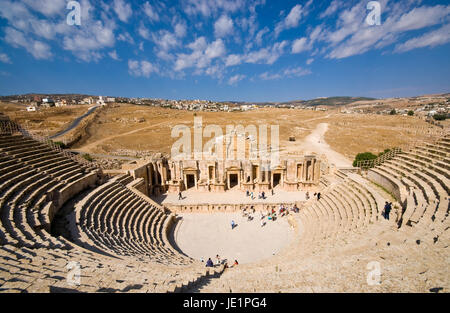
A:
318, 196
247, 193
383, 213
263, 194
272, 191
307, 195
387, 210
235, 263
180, 196
233, 224
217, 259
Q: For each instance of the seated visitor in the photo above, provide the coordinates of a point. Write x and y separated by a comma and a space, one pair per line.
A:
209, 263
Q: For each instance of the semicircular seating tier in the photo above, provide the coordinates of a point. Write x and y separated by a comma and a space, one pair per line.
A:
129, 249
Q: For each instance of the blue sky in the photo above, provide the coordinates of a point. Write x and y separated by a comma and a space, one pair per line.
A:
241, 50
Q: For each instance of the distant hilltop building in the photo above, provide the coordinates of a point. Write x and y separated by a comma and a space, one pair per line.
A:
100, 101
87, 100
47, 102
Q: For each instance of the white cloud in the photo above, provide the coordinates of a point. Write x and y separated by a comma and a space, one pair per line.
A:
38, 49
267, 55
123, 10
267, 76
309, 61
202, 54
300, 45
421, 17
296, 72
142, 68
126, 37
215, 49
431, 39
288, 72
143, 31
294, 16
85, 44
223, 26
235, 79
48, 7
150, 11
198, 44
291, 21
260, 34
233, 59
113, 55
208, 8
332, 8
353, 36
165, 40
5, 58
180, 29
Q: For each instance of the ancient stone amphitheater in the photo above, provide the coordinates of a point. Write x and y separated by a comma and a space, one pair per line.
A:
56, 209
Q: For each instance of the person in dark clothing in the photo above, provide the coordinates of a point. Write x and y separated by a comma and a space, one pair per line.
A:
387, 210
209, 263
180, 197
386, 205
318, 196
263, 195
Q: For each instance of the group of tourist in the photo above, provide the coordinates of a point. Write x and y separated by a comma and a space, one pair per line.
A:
261, 195
271, 214
210, 263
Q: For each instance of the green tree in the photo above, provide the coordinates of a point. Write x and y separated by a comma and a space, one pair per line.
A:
61, 144
393, 112
363, 157
87, 157
410, 113
440, 117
